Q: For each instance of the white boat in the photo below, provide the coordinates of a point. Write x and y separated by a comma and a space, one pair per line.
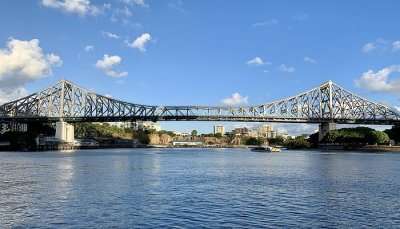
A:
265, 149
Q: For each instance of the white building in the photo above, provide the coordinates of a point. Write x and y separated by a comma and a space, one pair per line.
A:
266, 131
219, 129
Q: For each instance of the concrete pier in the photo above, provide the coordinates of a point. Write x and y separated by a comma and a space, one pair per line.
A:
65, 132
324, 129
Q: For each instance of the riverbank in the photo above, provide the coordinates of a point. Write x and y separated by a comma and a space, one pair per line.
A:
366, 148
324, 147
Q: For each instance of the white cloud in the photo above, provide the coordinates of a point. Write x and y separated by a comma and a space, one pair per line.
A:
266, 23
285, 68
10, 94
140, 42
80, 7
110, 35
108, 63
379, 44
310, 60
379, 81
396, 46
54, 60
256, 61
397, 108
368, 47
24, 61
141, 3
235, 99
123, 15
89, 48
124, 12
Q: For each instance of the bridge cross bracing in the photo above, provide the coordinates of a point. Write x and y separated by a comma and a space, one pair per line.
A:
327, 103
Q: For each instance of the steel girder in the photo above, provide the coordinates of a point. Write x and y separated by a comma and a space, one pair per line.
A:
70, 102
326, 103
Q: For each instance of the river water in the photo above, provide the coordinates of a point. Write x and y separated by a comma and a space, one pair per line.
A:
191, 188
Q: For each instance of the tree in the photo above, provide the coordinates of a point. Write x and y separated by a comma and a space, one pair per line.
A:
298, 143
377, 137
253, 141
278, 140
358, 135
142, 137
218, 135
314, 139
194, 132
332, 137
394, 133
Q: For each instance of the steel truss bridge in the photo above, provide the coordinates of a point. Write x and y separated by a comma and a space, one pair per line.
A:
327, 103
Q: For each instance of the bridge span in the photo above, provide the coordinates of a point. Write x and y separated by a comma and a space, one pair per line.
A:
326, 104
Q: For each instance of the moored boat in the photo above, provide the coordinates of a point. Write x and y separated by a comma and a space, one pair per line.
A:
265, 149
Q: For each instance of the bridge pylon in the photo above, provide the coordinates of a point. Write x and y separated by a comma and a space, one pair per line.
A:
324, 129
65, 132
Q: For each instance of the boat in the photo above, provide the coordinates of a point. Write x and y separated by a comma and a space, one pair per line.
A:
265, 149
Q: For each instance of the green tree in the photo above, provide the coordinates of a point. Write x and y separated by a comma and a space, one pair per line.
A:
394, 133
377, 137
332, 137
298, 143
142, 137
278, 140
314, 139
358, 135
218, 135
253, 141
194, 133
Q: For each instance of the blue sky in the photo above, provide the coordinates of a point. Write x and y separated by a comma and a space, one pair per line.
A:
179, 52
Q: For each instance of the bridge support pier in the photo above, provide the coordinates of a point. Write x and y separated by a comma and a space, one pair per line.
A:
65, 132
324, 129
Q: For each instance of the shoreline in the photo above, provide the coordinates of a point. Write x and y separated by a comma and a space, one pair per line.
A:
342, 148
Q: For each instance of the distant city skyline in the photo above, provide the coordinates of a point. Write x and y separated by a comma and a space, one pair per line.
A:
177, 52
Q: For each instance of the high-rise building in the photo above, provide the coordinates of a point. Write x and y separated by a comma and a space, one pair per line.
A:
266, 131
219, 129
241, 131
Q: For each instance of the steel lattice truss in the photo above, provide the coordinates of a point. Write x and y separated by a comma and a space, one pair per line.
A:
326, 103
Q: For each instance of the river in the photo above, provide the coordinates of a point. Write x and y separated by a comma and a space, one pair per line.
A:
191, 188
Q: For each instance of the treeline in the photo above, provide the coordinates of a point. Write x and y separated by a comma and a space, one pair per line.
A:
299, 142
104, 130
358, 135
345, 136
